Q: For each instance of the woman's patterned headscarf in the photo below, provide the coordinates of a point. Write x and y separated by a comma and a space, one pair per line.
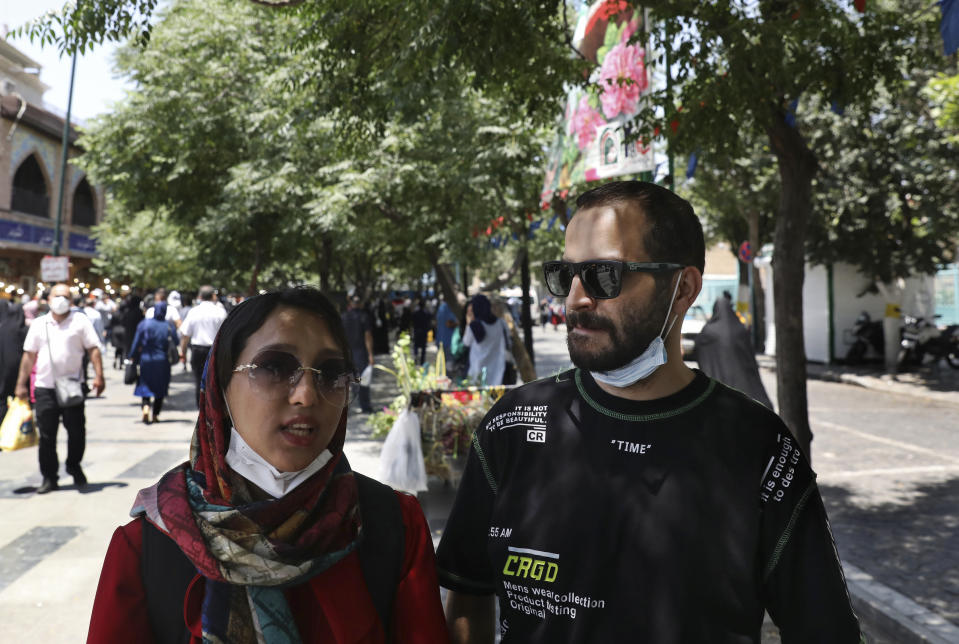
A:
248, 550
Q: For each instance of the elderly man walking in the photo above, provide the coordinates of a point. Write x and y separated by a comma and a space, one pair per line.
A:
56, 344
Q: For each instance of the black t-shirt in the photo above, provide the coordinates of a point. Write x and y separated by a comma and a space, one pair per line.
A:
356, 322
599, 519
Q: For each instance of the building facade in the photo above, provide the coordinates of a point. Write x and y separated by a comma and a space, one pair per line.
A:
30, 152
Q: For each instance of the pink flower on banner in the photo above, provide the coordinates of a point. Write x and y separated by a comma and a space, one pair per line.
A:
622, 78
628, 32
584, 122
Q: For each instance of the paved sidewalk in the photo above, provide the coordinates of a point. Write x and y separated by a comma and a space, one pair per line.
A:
938, 383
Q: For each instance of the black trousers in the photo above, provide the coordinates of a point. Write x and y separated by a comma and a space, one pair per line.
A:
198, 356
157, 404
360, 360
48, 414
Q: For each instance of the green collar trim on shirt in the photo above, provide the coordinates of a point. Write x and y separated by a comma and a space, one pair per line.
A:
639, 418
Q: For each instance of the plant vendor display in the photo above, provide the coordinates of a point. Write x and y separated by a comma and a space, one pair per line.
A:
448, 415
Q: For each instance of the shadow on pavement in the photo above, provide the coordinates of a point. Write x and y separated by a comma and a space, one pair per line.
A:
89, 489
912, 547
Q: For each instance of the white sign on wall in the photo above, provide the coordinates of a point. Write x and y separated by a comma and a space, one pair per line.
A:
54, 269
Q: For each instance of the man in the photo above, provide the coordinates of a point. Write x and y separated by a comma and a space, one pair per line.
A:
96, 318
359, 334
107, 308
160, 295
35, 307
422, 325
13, 331
198, 332
632, 499
65, 336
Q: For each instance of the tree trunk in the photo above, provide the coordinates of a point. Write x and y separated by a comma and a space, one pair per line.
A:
760, 315
797, 165
524, 363
446, 281
525, 316
257, 266
324, 255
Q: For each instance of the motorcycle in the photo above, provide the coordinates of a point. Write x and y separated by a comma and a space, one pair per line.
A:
865, 333
921, 337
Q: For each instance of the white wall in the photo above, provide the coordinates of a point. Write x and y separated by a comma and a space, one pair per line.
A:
815, 295
848, 283
847, 305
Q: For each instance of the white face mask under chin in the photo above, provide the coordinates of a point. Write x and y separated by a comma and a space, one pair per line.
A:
255, 469
648, 361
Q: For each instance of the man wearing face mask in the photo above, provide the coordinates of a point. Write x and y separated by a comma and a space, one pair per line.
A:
56, 343
632, 499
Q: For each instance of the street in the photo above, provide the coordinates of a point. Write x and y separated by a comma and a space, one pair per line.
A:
888, 468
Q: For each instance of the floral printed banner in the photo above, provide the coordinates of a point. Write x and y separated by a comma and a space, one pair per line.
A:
591, 142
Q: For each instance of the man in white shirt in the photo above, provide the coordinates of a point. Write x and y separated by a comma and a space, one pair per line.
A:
56, 344
199, 330
171, 313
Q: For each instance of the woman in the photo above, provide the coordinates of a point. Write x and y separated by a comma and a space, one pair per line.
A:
274, 537
149, 349
13, 331
130, 317
487, 337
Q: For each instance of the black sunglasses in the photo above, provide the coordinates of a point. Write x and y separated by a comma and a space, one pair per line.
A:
602, 278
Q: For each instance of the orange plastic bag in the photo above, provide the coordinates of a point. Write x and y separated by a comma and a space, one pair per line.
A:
18, 429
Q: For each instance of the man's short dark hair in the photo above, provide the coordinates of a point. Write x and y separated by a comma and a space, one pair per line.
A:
206, 293
159, 294
675, 233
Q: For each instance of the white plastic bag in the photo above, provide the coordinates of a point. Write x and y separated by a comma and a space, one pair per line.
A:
367, 376
401, 461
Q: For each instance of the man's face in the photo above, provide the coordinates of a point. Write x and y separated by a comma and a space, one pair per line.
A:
607, 334
61, 290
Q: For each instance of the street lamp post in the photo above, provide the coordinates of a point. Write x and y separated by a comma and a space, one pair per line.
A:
63, 160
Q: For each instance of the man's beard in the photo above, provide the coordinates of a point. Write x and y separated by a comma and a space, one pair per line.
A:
627, 340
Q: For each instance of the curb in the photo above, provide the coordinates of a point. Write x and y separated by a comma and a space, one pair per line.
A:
888, 616
872, 382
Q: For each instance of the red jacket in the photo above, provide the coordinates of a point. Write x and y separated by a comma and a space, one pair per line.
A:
333, 606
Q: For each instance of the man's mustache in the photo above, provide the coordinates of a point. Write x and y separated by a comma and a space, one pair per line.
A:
588, 320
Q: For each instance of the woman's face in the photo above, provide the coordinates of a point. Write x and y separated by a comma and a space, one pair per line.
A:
294, 425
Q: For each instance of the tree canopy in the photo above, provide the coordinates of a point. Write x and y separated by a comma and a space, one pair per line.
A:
220, 138
739, 72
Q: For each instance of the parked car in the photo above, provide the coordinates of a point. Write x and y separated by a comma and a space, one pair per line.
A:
693, 323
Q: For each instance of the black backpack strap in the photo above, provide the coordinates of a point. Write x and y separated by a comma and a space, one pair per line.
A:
383, 545
166, 574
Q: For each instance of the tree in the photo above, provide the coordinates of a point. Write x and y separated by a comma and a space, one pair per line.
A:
737, 67
260, 177
373, 60
736, 198
887, 199
748, 69
147, 249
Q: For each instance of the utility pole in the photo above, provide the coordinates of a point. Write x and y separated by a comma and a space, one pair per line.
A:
65, 144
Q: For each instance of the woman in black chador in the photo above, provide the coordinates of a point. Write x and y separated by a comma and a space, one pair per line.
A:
725, 353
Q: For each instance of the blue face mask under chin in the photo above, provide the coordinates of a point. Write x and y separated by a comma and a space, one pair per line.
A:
647, 362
